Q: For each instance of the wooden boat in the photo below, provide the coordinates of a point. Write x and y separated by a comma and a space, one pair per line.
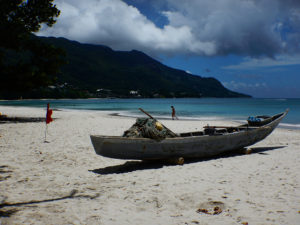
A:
212, 141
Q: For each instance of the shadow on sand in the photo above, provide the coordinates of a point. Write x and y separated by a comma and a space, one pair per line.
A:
131, 166
9, 212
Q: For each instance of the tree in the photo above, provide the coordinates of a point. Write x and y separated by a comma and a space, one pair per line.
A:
26, 62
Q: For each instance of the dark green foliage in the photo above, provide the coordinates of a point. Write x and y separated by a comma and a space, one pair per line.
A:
18, 19
26, 63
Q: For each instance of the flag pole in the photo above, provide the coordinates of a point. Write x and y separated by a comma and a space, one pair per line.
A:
48, 120
46, 128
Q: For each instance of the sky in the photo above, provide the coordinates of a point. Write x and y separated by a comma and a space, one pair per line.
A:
250, 46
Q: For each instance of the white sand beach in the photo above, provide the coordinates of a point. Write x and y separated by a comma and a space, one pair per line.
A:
65, 182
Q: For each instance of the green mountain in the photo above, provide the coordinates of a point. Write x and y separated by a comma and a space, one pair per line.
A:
99, 71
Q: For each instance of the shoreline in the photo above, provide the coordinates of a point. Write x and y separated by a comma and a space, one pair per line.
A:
114, 113
189, 109
63, 181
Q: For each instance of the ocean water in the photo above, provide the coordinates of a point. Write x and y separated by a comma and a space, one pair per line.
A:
234, 109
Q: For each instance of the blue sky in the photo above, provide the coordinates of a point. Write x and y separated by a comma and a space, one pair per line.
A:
251, 46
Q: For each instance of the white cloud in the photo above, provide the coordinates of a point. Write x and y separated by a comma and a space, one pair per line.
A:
234, 85
215, 27
255, 63
247, 27
256, 89
122, 27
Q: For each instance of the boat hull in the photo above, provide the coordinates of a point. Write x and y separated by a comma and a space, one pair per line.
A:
187, 147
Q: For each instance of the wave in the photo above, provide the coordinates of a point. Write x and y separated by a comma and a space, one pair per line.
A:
168, 117
290, 126
280, 99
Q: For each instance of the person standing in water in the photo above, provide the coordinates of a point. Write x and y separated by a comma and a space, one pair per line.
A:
174, 113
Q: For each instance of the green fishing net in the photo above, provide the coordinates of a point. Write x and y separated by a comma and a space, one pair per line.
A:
149, 128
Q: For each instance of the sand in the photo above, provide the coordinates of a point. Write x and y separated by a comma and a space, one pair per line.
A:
63, 181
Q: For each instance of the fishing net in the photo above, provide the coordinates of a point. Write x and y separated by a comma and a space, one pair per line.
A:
149, 128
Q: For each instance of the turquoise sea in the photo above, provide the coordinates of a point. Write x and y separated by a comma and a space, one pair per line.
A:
234, 109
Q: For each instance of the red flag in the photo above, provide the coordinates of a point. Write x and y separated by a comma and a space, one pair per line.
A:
48, 115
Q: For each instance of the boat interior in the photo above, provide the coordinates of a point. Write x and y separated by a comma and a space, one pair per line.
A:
214, 131
221, 130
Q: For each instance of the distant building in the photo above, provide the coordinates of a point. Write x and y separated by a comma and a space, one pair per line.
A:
133, 92
103, 90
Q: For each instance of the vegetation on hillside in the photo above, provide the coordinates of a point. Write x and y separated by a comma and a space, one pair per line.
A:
98, 71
